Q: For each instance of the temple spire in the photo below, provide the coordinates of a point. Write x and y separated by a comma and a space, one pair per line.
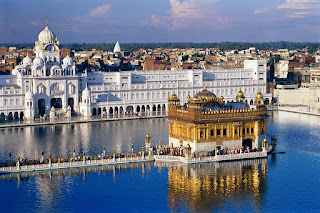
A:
46, 22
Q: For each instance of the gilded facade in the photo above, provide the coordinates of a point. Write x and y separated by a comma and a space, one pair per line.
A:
207, 122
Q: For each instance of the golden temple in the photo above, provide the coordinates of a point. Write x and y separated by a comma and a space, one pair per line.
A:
207, 123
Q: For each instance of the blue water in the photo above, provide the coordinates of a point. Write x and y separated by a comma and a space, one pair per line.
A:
282, 183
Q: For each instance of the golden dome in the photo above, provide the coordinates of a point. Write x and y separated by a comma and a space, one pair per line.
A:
221, 98
240, 94
204, 97
148, 136
173, 97
265, 140
259, 95
205, 94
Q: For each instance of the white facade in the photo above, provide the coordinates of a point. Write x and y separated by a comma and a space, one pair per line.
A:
54, 82
282, 69
148, 91
50, 81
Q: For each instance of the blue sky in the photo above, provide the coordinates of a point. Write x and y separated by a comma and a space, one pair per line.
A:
161, 20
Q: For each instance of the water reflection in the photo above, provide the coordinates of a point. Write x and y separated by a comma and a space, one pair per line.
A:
54, 187
208, 187
203, 187
60, 140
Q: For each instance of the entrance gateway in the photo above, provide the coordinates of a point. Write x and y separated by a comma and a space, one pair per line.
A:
56, 103
247, 143
42, 106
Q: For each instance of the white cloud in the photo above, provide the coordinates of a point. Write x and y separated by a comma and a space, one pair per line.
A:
37, 23
260, 10
298, 4
189, 12
100, 11
301, 14
155, 20
300, 8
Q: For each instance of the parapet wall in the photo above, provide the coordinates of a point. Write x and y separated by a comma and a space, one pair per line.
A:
196, 114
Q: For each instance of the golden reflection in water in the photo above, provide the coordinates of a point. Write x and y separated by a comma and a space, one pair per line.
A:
206, 187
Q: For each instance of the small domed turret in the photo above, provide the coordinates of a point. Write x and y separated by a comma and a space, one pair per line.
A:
117, 48
259, 99
86, 93
67, 60
38, 62
265, 144
174, 100
148, 136
240, 96
259, 95
27, 60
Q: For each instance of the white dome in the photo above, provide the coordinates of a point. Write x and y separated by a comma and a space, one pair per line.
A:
27, 60
38, 62
47, 36
55, 67
117, 48
67, 60
86, 92
19, 67
29, 95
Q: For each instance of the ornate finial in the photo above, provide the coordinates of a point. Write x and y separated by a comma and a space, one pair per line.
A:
46, 22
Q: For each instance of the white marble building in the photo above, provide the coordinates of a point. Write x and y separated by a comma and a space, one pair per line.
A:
148, 91
37, 85
45, 81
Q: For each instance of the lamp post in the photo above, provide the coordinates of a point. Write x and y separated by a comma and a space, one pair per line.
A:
131, 149
273, 142
84, 157
143, 153
50, 163
159, 148
18, 163
148, 141
42, 158
188, 150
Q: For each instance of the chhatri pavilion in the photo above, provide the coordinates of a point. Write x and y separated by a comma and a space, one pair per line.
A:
207, 123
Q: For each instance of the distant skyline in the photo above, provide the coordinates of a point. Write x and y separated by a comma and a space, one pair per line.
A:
143, 21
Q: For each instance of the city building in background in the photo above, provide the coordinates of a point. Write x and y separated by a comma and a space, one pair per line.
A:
47, 85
